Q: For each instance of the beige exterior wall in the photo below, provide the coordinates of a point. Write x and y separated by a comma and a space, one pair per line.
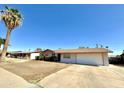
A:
105, 57
87, 58
68, 60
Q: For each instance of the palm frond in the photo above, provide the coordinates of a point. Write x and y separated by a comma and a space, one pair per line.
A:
6, 7
11, 17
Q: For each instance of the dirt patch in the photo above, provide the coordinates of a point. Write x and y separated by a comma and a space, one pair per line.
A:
33, 71
10, 80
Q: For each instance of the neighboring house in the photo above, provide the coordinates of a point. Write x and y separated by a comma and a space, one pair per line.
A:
33, 55
23, 55
19, 54
38, 50
36, 53
92, 56
48, 53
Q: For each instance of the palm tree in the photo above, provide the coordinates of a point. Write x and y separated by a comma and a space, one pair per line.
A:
12, 19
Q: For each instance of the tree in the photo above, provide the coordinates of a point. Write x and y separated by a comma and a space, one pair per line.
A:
80, 47
2, 41
107, 47
97, 46
101, 46
12, 19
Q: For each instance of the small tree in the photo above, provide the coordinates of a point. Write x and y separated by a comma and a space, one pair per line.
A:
97, 46
107, 47
101, 46
2, 41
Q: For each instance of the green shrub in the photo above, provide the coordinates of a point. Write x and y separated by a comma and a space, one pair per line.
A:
41, 57
37, 57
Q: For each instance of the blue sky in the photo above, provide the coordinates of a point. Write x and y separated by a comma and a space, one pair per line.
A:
68, 26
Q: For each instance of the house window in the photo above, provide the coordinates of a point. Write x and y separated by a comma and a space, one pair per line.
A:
66, 56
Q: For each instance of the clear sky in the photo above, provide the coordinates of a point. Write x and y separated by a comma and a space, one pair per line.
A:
68, 26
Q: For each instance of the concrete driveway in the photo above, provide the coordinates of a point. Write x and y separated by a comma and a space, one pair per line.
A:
80, 76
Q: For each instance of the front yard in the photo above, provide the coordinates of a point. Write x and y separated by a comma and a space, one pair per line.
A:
33, 71
53, 74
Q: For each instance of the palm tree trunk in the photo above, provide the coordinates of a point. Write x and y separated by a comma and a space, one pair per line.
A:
6, 44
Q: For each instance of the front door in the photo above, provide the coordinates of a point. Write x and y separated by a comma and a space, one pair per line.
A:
59, 57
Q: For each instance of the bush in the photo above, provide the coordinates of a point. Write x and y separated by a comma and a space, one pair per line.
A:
47, 58
53, 58
41, 57
116, 60
37, 57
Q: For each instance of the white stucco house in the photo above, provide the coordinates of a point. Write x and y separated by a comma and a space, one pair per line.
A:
91, 56
23, 55
33, 55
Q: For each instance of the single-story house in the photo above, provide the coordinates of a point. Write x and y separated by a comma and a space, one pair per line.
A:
34, 54
31, 55
48, 53
23, 55
92, 56
19, 54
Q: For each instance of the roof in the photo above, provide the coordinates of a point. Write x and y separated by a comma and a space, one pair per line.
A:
84, 50
20, 52
48, 50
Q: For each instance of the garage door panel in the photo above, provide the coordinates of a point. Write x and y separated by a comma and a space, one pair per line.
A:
93, 59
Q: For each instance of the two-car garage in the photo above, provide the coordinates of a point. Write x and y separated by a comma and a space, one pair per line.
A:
92, 56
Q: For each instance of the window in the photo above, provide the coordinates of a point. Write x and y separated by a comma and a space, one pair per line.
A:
66, 56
